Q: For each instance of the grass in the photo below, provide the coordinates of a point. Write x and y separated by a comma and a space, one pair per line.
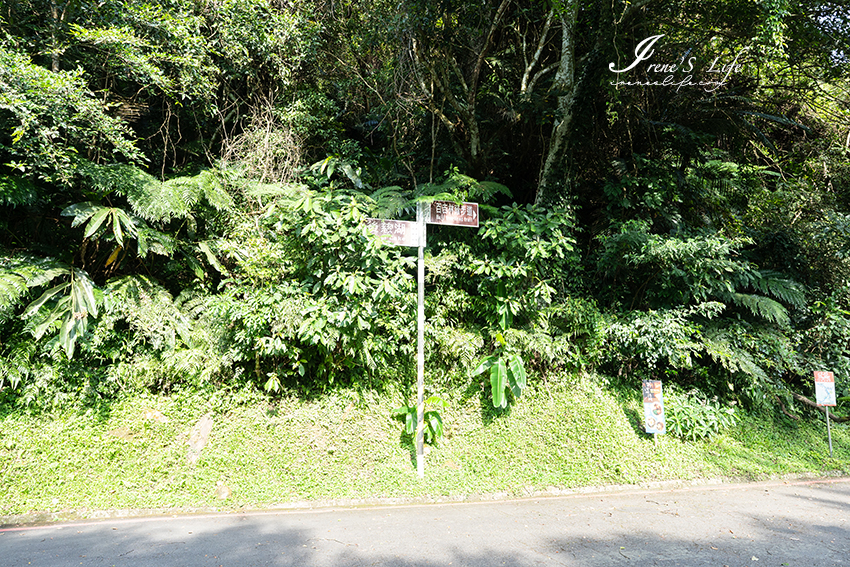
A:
132, 453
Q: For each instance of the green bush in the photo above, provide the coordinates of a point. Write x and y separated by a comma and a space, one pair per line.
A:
692, 415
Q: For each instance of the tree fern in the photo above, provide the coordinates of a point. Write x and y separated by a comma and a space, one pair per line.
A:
16, 191
785, 290
155, 200
462, 187
390, 201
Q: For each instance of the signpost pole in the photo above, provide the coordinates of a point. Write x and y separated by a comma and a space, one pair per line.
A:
401, 233
420, 347
828, 432
825, 396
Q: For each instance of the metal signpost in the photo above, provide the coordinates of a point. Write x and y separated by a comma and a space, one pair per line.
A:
653, 408
825, 396
408, 233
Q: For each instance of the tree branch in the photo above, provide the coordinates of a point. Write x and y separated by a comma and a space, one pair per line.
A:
525, 87
810, 403
473, 83
632, 9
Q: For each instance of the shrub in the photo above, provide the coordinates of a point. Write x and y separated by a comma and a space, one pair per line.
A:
694, 416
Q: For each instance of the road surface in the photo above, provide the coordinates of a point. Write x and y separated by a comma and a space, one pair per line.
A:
794, 523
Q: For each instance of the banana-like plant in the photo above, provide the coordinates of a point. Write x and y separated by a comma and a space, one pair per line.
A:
432, 420
507, 370
66, 306
100, 219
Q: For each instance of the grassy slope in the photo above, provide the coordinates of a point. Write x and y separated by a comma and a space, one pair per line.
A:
345, 445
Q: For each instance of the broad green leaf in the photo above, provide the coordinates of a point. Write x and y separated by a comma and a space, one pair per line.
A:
58, 311
485, 364
85, 290
95, 222
410, 421
33, 307
516, 374
81, 212
436, 401
498, 382
211, 258
435, 425
116, 228
68, 334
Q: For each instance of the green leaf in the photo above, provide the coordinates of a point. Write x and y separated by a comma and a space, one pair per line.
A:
33, 307
498, 382
410, 421
211, 258
81, 212
59, 311
485, 364
116, 228
434, 424
516, 374
95, 222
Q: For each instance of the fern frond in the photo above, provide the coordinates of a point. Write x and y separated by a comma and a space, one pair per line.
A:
783, 289
460, 187
722, 351
16, 191
761, 306
155, 200
12, 287
191, 302
389, 201
214, 190
19, 274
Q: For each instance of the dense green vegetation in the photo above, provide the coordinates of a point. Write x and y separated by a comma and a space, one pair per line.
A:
183, 187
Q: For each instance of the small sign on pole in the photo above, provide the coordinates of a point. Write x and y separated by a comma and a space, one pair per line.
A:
653, 407
825, 396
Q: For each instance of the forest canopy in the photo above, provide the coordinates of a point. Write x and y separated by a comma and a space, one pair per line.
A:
664, 185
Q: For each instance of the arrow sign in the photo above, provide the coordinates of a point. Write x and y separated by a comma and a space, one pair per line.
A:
448, 212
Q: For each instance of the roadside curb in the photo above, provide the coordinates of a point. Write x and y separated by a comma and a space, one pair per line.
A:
75, 516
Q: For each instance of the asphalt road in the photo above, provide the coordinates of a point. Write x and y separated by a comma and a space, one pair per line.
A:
801, 523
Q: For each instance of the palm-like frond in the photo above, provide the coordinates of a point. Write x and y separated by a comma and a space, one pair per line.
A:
19, 274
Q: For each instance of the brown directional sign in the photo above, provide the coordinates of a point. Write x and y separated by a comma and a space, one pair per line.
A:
447, 212
397, 232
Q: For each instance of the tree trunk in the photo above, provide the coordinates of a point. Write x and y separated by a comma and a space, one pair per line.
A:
566, 86
54, 42
564, 83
